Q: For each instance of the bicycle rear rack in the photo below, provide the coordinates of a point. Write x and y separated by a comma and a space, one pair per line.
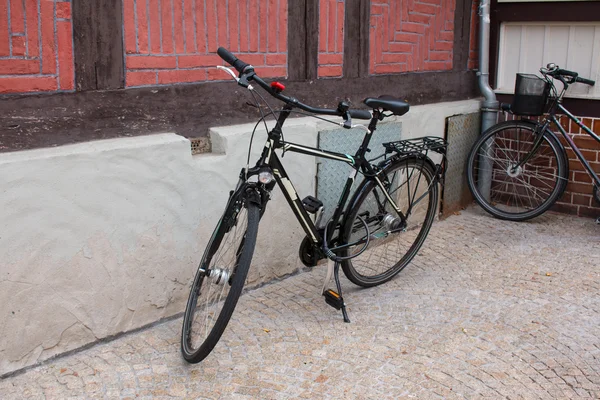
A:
421, 145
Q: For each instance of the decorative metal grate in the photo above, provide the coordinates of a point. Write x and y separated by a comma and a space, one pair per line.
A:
332, 175
461, 132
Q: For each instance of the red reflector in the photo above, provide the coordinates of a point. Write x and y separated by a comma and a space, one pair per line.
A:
278, 86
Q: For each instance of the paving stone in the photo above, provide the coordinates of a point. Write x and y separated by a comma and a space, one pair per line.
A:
488, 309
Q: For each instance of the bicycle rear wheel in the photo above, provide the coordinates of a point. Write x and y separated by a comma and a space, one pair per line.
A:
510, 192
220, 278
412, 185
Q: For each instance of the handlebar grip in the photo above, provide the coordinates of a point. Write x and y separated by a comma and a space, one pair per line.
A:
360, 114
566, 72
232, 60
585, 81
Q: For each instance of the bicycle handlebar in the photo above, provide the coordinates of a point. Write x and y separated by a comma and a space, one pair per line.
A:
566, 72
585, 81
232, 60
559, 72
244, 68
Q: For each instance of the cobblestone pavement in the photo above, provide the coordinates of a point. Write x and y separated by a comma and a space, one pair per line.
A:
489, 309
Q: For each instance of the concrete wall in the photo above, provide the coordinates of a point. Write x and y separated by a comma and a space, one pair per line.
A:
104, 237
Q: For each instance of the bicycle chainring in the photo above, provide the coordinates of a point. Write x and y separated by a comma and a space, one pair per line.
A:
309, 255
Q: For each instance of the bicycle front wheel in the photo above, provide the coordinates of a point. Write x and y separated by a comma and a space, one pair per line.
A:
506, 187
220, 279
411, 183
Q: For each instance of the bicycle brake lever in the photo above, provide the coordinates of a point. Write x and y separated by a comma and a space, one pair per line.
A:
360, 126
229, 71
242, 82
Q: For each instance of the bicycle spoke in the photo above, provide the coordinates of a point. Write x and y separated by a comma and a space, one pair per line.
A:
526, 176
412, 190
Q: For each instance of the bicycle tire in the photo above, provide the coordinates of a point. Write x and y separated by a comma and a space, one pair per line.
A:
523, 193
363, 270
235, 276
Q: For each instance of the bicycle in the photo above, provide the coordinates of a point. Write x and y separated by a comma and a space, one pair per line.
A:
372, 237
518, 169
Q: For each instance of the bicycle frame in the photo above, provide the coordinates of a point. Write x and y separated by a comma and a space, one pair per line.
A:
562, 130
557, 106
269, 159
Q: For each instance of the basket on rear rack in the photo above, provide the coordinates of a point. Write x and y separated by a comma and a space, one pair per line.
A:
531, 95
418, 145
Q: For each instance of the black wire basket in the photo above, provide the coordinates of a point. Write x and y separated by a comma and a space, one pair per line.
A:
531, 95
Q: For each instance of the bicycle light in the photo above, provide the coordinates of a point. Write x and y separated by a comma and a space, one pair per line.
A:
265, 176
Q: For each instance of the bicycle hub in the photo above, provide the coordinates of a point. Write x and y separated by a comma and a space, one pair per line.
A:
391, 223
514, 172
219, 276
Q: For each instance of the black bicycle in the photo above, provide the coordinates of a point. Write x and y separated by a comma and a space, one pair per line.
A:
373, 236
518, 169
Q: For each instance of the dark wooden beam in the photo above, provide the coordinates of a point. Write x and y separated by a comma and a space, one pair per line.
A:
352, 51
494, 42
462, 34
56, 119
356, 38
297, 52
98, 44
365, 32
577, 11
312, 38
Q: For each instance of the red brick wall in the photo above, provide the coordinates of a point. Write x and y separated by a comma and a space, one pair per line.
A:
577, 198
409, 35
331, 38
174, 41
36, 46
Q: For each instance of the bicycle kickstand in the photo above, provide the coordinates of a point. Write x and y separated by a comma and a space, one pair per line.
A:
333, 298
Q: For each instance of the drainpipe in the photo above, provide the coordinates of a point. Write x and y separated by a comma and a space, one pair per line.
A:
490, 105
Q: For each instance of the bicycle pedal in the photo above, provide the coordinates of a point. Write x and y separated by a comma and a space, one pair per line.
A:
312, 204
333, 299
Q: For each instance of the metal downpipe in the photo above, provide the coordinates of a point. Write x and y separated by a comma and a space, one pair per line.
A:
490, 105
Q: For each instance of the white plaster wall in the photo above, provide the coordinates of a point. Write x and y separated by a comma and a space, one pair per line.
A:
430, 119
104, 237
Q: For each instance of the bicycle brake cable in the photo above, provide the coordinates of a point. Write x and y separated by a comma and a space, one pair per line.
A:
263, 119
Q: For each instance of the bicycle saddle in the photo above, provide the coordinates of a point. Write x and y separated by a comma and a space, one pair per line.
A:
388, 103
